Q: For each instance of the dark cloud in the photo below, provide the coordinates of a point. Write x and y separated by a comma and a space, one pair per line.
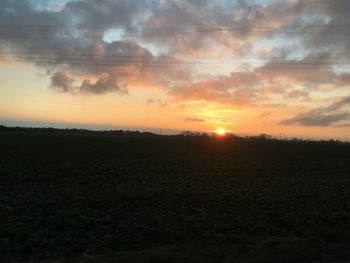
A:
72, 47
331, 115
339, 104
103, 85
61, 81
66, 50
106, 13
316, 118
189, 119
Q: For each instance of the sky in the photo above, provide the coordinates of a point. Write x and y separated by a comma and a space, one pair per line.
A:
249, 67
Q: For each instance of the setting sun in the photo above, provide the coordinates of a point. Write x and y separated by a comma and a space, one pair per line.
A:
215, 124
220, 132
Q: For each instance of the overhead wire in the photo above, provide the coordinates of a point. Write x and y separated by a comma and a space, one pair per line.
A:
30, 53
167, 61
278, 66
142, 31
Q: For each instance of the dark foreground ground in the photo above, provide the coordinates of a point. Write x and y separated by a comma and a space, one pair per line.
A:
108, 199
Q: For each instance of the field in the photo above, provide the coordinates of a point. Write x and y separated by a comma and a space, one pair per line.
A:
172, 199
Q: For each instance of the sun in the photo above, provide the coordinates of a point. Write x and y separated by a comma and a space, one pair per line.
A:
220, 132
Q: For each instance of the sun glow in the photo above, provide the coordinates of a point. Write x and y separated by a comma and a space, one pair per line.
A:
220, 132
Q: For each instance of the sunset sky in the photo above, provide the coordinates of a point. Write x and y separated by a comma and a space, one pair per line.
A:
250, 67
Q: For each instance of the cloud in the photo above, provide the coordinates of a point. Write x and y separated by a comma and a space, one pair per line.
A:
62, 81
150, 101
104, 84
189, 119
238, 88
72, 53
316, 118
345, 125
339, 104
73, 46
297, 94
264, 114
331, 115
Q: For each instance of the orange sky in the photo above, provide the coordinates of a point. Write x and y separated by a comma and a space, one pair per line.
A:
178, 65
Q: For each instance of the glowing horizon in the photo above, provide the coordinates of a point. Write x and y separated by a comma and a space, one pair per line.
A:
178, 65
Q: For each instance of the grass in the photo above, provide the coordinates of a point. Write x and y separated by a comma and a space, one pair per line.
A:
156, 199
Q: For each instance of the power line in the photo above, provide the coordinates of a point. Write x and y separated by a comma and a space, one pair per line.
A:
249, 26
171, 62
192, 31
133, 37
134, 59
285, 66
40, 52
